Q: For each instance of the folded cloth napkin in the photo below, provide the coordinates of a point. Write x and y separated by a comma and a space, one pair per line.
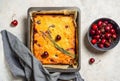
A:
23, 64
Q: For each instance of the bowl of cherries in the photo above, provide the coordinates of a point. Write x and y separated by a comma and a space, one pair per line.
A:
103, 34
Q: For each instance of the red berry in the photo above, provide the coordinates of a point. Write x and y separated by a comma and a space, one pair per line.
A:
93, 41
100, 45
114, 36
92, 32
58, 37
103, 41
91, 60
100, 23
14, 23
98, 32
107, 28
112, 31
45, 54
94, 27
96, 37
110, 25
106, 22
107, 35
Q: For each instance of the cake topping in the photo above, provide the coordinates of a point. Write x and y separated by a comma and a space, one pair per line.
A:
58, 37
66, 26
45, 54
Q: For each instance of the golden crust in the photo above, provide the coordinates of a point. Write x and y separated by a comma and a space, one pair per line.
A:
64, 25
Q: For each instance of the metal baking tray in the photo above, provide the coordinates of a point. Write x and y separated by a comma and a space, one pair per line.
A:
78, 32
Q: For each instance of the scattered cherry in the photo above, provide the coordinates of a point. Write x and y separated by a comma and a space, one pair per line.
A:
14, 23
91, 60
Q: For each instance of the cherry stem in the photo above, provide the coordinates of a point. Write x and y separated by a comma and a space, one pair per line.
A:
13, 16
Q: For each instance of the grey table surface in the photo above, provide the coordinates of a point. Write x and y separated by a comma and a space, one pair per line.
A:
107, 64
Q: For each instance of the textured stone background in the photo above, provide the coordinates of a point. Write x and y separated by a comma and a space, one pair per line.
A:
106, 67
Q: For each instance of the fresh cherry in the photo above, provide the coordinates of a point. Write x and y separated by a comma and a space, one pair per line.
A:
100, 45
107, 28
14, 23
108, 35
92, 32
93, 41
94, 26
112, 31
106, 22
110, 25
103, 41
100, 23
91, 60
98, 32
114, 36
96, 37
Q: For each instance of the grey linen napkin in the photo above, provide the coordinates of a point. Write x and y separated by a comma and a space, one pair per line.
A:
23, 64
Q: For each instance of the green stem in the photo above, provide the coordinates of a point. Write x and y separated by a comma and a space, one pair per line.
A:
57, 46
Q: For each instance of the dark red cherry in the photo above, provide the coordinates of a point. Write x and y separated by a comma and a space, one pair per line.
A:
107, 35
100, 45
94, 26
92, 32
14, 23
114, 36
103, 41
45, 54
112, 31
58, 37
100, 23
91, 60
93, 41
107, 28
